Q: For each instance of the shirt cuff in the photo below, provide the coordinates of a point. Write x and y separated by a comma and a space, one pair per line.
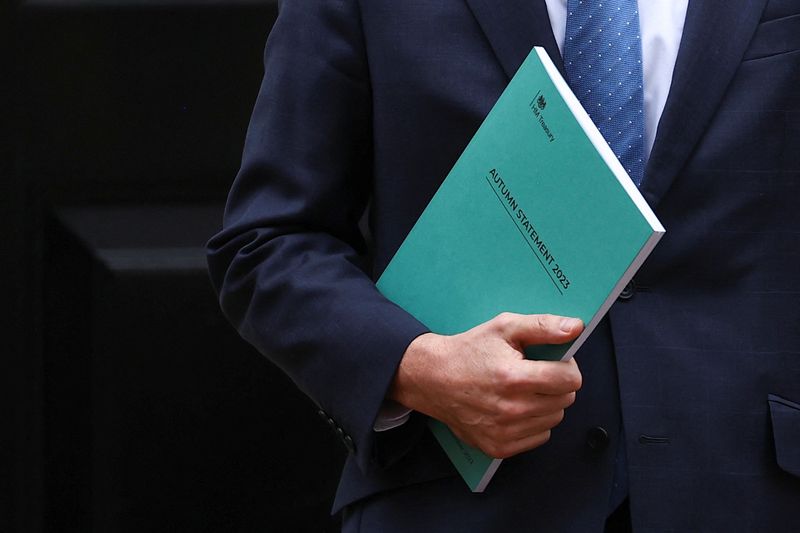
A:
391, 415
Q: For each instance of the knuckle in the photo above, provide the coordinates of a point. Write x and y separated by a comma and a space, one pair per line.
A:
576, 376
503, 321
546, 322
503, 377
577, 380
507, 379
510, 411
570, 399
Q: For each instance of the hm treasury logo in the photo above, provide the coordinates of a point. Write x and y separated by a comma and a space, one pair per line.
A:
537, 106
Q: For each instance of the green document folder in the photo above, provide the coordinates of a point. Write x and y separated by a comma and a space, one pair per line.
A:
536, 216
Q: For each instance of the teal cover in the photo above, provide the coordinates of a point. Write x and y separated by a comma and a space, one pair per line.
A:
536, 216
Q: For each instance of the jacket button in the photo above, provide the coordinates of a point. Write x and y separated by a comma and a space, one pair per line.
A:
349, 444
628, 292
597, 439
347, 440
328, 420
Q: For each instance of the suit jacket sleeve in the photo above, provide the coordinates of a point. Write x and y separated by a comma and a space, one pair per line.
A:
290, 263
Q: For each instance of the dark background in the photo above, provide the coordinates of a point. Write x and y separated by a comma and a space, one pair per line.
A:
129, 404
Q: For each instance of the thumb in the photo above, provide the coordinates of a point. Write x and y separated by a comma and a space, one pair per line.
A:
525, 330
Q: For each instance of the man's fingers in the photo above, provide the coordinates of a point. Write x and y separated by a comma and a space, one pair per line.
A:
527, 405
504, 450
524, 330
530, 426
554, 378
506, 437
545, 377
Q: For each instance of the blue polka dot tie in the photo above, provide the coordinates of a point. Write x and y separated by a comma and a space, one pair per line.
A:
603, 61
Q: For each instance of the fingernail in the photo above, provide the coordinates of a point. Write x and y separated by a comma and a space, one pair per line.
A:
569, 324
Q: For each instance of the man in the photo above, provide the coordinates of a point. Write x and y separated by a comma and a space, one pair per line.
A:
688, 407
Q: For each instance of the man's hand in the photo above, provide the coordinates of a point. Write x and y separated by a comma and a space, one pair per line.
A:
480, 384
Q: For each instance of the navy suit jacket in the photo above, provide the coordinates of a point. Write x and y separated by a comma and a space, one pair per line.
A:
364, 108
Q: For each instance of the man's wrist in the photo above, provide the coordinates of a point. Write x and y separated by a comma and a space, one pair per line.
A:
417, 366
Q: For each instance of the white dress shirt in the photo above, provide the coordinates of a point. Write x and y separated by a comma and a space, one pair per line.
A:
661, 26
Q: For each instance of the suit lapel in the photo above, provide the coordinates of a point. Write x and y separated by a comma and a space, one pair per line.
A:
513, 27
715, 36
